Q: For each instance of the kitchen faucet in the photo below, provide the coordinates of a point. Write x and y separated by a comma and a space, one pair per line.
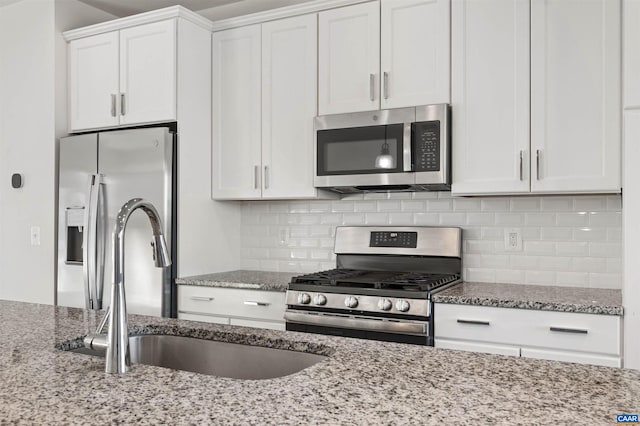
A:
116, 342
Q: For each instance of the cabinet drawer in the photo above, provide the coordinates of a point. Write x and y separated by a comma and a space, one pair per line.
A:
258, 304
557, 330
487, 348
272, 325
580, 358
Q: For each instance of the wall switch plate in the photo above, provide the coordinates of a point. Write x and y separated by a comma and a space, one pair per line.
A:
283, 237
513, 239
35, 235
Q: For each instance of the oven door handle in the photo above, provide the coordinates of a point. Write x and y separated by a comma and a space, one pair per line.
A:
418, 328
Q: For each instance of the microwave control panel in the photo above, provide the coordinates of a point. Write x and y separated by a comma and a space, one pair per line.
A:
425, 138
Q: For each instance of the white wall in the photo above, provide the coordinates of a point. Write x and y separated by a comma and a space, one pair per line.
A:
28, 127
567, 240
631, 182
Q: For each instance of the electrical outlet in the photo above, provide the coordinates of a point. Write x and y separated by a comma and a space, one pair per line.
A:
513, 239
35, 235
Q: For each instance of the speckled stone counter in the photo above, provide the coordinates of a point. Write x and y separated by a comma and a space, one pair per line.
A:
545, 298
362, 382
256, 280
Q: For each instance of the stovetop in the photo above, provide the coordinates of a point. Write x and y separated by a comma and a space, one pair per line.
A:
376, 280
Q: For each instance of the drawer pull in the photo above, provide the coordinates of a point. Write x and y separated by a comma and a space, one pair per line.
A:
254, 303
476, 322
569, 330
202, 298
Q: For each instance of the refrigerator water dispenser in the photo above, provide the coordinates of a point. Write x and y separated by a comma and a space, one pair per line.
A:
75, 225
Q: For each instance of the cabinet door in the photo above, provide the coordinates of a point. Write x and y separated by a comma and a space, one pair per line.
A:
289, 99
490, 96
236, 113
487, 348
575, 96
414, 58
349, 59
577, 357
148, 73
93, 81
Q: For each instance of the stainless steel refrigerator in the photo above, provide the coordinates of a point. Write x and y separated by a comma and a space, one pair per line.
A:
98, 173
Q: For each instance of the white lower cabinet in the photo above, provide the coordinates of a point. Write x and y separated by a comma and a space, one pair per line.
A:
561, 336
243, 307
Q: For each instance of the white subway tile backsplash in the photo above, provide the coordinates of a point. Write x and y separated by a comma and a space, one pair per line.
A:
572, 219
376, 218
413, 206
495, 204
401, 219
353, 219
509, 219
573, 279
475, 218
525, 204
556, 204
389, 206
366, 206
590, 203
439, 205
572, 248
590, 234
540, 277
567, 240
426, 219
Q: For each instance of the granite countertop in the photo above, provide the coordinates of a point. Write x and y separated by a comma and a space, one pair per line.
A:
545, 298
255, 280
362, 382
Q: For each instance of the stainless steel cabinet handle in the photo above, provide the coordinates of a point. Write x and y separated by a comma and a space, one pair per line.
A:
202, 298
122, 105
386, 84
537, 164
569, 330
113, 105
266, 177
254, 303
521, 172
256, 170
372, 87
476, 322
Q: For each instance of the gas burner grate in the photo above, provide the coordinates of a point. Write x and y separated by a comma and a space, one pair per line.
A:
393, 280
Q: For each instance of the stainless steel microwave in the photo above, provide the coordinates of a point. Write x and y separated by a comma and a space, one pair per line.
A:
404, 149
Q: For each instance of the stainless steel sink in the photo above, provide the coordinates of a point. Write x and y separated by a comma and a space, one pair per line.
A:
215, 358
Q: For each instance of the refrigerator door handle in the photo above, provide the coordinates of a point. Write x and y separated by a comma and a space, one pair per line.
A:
89, 244
100, 235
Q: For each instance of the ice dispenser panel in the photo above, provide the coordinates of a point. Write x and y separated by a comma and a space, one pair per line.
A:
75, 225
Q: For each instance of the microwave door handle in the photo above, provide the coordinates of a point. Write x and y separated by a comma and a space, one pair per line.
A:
407, 145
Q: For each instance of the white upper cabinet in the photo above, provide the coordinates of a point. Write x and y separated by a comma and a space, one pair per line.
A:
575, 95
289, 103
387, 54
490, 96
123, 77
415, 51
349, 59
148, 73
536, 96
93, 81
237, 113
264, 102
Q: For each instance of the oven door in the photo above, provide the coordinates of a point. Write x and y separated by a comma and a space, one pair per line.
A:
362, 327
364, 149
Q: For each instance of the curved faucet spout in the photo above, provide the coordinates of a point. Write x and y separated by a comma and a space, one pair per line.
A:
117, 357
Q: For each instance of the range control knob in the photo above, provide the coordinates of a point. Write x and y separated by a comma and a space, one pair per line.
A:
385, 304
351, 302
304, 299
402, 305
320, 299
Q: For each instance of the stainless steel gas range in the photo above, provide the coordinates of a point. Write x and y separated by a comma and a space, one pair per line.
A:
381, 288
